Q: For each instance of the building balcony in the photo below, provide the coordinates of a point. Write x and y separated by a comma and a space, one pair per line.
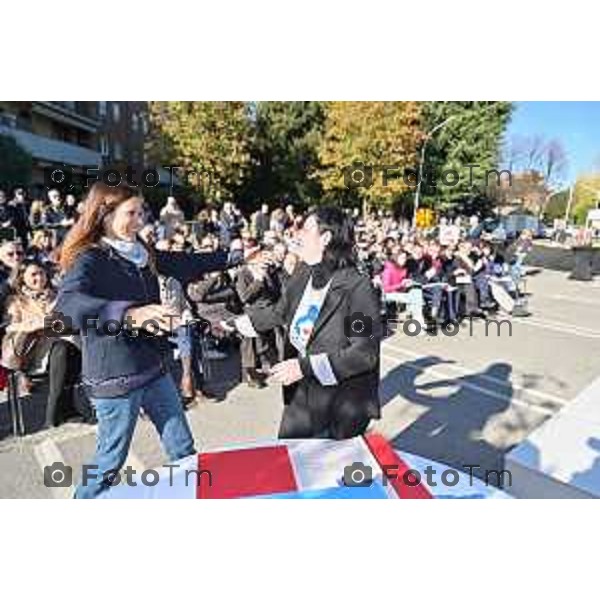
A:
67, 113
45, 149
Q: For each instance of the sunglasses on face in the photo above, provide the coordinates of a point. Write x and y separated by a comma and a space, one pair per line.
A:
13, 254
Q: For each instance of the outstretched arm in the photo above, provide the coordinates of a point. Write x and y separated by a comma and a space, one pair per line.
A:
190, 267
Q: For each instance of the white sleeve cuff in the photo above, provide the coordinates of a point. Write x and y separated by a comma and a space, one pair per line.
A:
322, 370
244, 325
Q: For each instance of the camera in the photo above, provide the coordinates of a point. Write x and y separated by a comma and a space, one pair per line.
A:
358, 325
358, 175
58, 475
358, 475
57, 325
58, 177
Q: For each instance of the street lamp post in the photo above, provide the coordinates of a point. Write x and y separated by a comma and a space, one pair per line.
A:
569, 203
422, 160
421, 163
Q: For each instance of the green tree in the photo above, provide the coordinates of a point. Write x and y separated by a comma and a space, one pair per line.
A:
586, 196
210, 141
557, 206
472, 135
285, 151
16, 164
358, 139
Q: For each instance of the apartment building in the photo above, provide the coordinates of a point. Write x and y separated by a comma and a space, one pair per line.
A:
77, 134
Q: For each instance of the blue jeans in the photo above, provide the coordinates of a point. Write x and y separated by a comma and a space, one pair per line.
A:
117, 418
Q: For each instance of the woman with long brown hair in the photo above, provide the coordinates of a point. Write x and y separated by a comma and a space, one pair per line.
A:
110, 293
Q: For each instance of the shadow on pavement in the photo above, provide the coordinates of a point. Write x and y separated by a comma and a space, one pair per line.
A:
451, 431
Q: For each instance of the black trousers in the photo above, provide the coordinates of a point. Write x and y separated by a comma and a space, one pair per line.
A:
344, 419
64, 368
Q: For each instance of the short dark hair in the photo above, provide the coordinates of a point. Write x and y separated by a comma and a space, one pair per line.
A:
340, 252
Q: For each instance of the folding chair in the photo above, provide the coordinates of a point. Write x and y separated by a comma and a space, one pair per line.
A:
15, 403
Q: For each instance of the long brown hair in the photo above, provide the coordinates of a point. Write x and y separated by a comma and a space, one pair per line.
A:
101, 200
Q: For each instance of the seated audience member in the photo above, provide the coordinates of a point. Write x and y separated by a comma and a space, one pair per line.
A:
470, 264
42, 248
7, 212
397, 286
27, 347
38, 214
11, 256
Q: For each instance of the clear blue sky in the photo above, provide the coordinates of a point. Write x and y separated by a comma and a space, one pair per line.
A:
575, 124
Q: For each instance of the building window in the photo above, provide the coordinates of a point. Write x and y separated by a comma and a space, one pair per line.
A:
116, 112
102, 108
103, 145
134, 121
117, 151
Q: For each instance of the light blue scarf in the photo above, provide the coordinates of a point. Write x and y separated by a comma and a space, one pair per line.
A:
132, 251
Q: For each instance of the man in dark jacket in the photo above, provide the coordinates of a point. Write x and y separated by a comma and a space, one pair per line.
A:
263, 221
20, 208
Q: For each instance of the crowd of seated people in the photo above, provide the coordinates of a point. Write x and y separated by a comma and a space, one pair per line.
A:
445, 282
433, 276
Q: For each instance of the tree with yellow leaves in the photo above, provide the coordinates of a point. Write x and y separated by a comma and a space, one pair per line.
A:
362, 143
586, 196
210, 141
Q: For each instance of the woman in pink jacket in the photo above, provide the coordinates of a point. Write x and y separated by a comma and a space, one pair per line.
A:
399, 288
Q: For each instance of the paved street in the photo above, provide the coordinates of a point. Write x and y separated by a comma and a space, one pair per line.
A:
462, 400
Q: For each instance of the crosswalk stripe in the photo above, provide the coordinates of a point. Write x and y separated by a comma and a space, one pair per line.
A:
47, 453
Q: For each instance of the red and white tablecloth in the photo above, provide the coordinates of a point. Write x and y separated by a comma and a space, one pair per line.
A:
303, 469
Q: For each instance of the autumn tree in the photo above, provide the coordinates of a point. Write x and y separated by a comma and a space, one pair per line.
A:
586, 196
360, 138
210, 141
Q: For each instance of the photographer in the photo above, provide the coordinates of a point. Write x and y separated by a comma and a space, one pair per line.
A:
257, 288
330, 314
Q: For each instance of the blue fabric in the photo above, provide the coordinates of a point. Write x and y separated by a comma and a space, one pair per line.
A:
373, 492
117, 418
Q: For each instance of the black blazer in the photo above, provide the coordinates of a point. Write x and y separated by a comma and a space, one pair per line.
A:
354, 360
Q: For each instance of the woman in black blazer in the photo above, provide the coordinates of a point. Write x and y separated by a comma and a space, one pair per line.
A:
331, 315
